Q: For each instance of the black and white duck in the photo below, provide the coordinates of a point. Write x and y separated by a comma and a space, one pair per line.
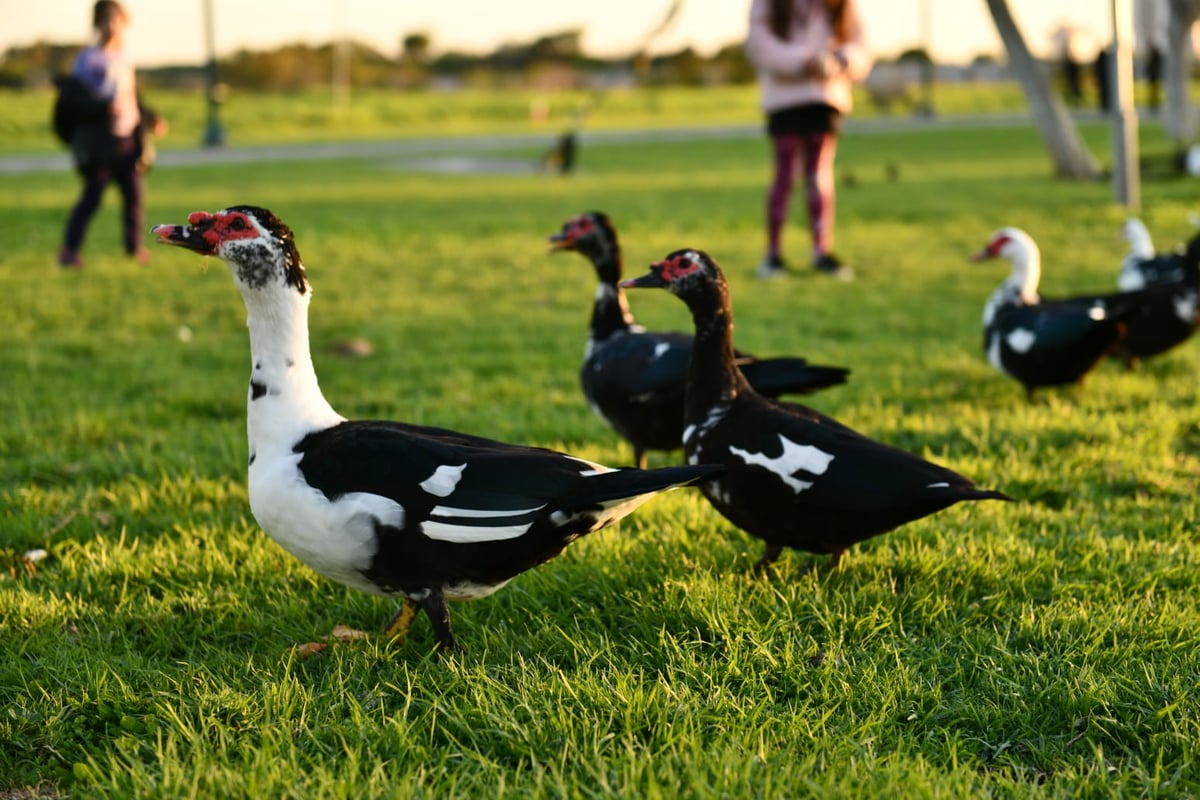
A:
394, 509
635, 379
794, 477
1041, 342
1171, 282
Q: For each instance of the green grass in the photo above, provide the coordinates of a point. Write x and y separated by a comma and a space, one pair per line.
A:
269, 118
1043, 648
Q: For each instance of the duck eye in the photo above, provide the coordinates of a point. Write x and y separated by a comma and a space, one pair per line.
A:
238, 224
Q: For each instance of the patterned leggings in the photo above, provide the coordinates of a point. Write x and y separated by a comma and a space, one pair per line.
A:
819, 150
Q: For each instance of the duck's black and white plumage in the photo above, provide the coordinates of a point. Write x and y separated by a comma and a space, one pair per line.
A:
394, 509
1171, 283
635, 379
1041, 342
794, 477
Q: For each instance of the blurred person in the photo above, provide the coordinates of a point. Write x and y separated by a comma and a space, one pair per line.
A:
114, 144
1068, 42
1151, 37
807, 53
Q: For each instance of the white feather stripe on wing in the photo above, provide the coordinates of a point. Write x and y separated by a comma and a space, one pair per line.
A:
476, 513
471, 534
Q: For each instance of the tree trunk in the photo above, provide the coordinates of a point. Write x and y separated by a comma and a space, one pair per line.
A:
1071, 158
1179, 119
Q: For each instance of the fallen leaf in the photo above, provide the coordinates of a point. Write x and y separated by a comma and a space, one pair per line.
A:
308, 648
343, 633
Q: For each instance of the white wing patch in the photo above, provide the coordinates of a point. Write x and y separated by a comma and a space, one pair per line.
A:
661, 348
795, 457
1021, 340
938, 485
443, 480
1097, 312
1185, 307
474, 525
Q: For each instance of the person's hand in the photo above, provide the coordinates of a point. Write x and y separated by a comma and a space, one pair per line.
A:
160, 128
824, 65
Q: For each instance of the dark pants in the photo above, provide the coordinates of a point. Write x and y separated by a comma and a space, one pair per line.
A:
127, 172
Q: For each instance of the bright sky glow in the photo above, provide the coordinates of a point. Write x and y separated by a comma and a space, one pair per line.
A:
171, 31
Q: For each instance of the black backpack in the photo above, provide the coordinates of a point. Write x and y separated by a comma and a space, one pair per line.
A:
74, 105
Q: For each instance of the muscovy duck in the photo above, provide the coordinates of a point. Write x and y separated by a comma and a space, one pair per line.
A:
635, 379
1171, 281
1141, 253
1046, 342
794, 477
386, 507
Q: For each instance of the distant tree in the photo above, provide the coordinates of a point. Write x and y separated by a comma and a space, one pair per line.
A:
1179, 118
414, 48
915, 55
36, 64
1071, 157
732, 66
683, 67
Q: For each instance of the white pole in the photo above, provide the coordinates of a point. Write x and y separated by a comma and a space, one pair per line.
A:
1126, 179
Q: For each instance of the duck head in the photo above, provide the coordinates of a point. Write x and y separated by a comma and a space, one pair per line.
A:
1022, 252
694, 277
682, 273
258, 247
593, 235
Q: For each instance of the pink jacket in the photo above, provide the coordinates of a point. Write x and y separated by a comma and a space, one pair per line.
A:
782, 63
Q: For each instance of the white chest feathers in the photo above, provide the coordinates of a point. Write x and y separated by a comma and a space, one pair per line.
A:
337, 539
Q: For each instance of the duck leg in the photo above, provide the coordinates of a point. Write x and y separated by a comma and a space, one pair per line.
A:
639, 457
770, 553
397, 628
439, 615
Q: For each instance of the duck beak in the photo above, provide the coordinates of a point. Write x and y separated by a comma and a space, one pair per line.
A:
651, 280
560, 241
197, 236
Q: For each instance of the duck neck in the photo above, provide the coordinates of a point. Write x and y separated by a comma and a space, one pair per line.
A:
610, 310
1026, 274
713, 375
284, 402
1020, 287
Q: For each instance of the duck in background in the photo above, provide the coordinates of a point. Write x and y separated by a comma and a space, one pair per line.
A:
1041, 342
635, 379
1171, 281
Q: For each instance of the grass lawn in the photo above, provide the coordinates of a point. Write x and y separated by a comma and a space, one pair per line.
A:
1049, 647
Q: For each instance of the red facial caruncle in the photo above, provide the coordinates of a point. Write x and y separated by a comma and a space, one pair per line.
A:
577, 229
673, 268
223, 226
996, 245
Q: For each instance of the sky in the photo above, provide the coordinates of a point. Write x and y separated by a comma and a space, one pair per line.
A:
172, 31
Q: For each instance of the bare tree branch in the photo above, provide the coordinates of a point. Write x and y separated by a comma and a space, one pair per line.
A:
1071, 157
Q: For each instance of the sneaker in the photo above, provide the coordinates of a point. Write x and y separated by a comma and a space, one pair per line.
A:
771, 267
831, 265
69, 259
